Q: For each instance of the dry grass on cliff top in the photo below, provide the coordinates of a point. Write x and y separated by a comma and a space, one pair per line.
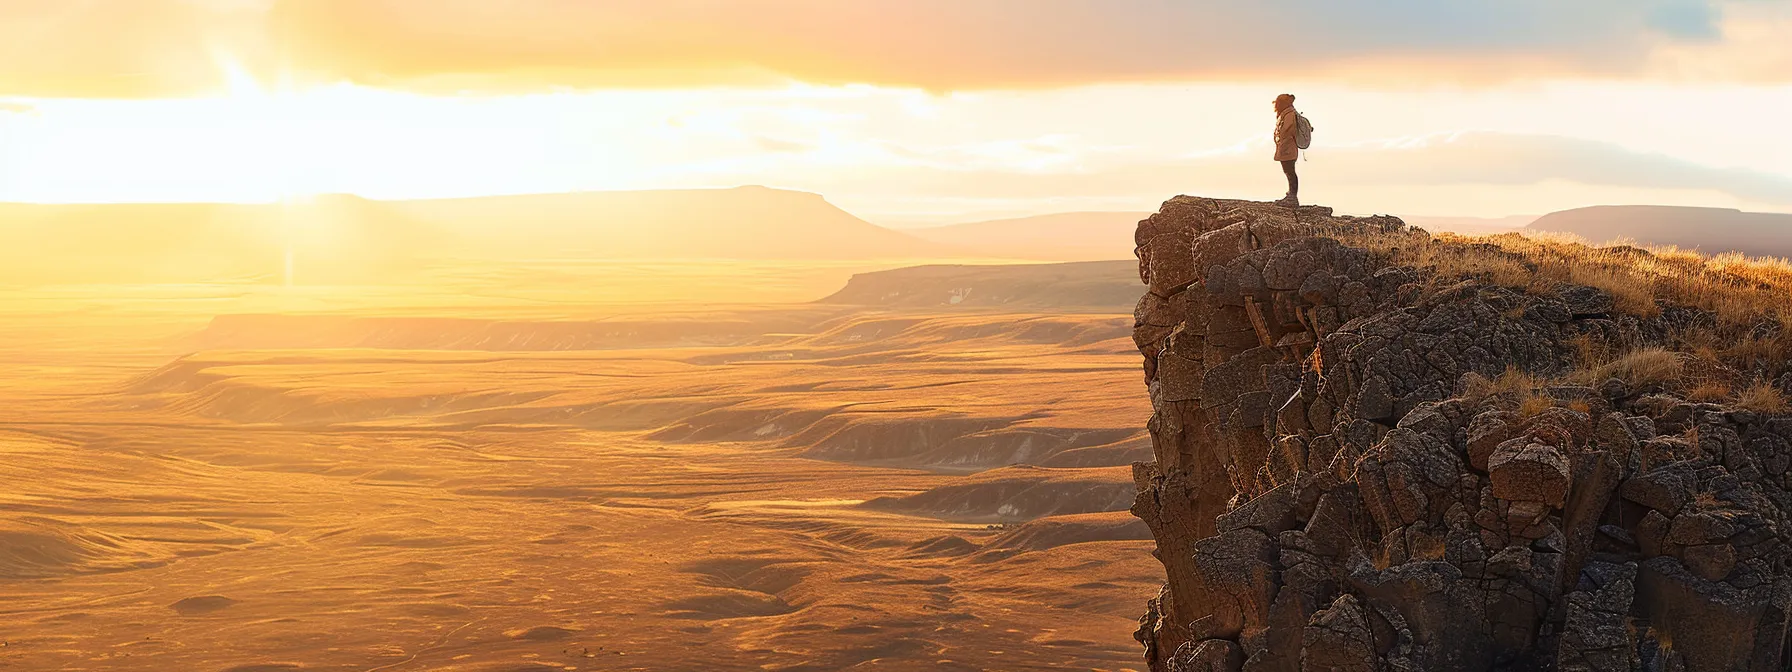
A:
1738, 289
1742, 293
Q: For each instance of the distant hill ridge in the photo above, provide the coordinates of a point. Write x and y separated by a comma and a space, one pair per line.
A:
1708, 230
350, 239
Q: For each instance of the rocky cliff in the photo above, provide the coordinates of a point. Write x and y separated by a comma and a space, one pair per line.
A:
1364, 462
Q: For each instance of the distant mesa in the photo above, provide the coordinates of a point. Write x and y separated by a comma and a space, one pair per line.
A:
1708, 230
1070, 236
1108, 285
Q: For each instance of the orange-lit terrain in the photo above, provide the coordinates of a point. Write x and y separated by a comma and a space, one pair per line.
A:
594, 467
815, 335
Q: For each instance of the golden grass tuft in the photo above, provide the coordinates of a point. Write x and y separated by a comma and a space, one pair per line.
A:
1515, 389
1762, 398
1534, 404
1737, 288
1591, 350
1513, 381
1709, 393
1756, 348
1638, 368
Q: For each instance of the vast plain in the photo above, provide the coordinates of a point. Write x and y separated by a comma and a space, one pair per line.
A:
576, 466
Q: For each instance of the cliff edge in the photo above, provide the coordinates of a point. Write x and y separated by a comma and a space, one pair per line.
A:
1381, 450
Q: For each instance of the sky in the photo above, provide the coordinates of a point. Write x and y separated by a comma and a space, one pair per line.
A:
903, 111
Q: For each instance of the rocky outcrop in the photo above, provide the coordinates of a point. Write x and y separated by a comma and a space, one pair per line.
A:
1339, 486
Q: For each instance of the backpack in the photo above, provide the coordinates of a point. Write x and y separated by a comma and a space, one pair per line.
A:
1303, 131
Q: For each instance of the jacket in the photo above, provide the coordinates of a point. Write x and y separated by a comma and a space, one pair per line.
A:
1286, 149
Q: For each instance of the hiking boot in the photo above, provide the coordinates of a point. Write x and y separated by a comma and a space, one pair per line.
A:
1290, 201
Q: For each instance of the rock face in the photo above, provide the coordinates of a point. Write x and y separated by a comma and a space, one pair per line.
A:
1333, 491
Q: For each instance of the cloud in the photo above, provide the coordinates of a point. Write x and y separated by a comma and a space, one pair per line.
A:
163, 47
1687, 18
770, 144
124, 48
1753, 48
951, 44
16, 108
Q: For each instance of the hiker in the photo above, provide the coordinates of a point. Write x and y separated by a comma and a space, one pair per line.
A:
1293, 133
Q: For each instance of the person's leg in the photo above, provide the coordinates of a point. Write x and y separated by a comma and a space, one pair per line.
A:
1293, 179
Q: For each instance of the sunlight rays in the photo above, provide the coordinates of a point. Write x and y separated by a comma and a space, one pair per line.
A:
883, 153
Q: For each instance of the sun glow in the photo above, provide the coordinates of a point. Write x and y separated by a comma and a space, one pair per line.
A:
894, 155
257, 141
275, 119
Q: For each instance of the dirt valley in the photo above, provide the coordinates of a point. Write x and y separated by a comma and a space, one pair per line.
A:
895, 336
927, 471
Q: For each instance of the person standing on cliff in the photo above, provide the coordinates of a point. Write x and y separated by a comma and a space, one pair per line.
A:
1289, 123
